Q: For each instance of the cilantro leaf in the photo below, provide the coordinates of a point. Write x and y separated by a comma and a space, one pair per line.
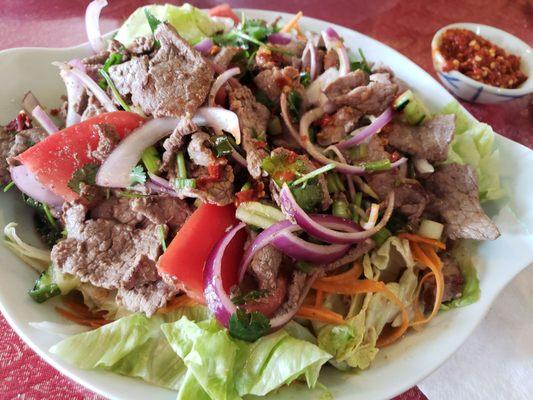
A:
248, 326
362, 65
152, 21
85, 174
137, 175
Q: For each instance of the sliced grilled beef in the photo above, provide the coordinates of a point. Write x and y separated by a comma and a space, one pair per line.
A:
454, 195
372, 98
210, 190
341, 123
173, 83
224, 57
272, 81
14, 143
199, 152
352, 255
453, 283
430, 140
331, 59
253, 120
146, 298
265, 267
107, 140
294, 292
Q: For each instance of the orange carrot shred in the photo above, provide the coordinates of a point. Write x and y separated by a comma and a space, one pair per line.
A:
320, 314
349, 288
421, 239
397, 332
175, 303
352, 274
319, 298
420, 256
432, 254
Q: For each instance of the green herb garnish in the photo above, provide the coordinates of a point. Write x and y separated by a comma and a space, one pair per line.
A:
137, 175
294, 102
221, 145
151, 160
114, 90
241, 299
362, 64
85, 174
248, 326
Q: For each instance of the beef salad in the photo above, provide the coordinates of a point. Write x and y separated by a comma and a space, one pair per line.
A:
230, 203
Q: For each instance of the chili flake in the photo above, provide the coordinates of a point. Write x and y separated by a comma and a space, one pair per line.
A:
480, 59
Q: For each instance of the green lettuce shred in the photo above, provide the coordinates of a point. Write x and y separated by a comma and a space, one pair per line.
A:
191, 23
473, 144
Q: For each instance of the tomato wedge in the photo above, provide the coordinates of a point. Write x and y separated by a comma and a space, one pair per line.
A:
223, 10
56, 158
187, 254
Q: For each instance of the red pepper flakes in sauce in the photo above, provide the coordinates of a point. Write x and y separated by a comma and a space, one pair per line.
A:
480, 59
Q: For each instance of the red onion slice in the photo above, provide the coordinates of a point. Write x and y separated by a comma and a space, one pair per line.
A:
116, 169
286, 227
221, 81
160, 181
301, 250
44, 120
309, 59
218, 301
332, 40
368, 131
28, 184
314, 91
204, 46
92, 25
295, 213
90, 84
74, 88
281, 38
219, 118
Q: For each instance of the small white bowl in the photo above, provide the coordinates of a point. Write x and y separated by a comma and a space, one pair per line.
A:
471, 90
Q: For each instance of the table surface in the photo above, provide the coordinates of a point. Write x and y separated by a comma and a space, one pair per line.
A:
407, 26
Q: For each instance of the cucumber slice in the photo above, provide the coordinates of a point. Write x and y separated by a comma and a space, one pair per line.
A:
44, 287
412, 108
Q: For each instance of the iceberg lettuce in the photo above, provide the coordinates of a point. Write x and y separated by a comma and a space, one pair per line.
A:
473, 144
191, 23
227, 368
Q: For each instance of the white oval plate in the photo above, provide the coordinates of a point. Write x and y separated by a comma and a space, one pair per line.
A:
398, 367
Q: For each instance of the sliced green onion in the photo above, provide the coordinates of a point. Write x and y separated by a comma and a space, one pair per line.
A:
182, 168
380, 165
8, 186
340, 209
151, 160
381, 236
49, 216
357, 204
184, 183
312, 174
358, 152
332, 187
114, 90
338, 182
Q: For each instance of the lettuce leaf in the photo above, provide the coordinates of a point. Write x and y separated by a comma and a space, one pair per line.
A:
473, 144
471, 289
191, 23
353, 344
132, 346
227, 368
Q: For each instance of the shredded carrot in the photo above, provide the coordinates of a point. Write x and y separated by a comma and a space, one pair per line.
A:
349, 288
397, 332
320, 314
175, 303
432, 254
418, 315
293, 23
319, 298
352, 274
421, 239
420, 256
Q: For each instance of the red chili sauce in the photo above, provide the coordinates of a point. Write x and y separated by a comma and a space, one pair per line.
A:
480, 59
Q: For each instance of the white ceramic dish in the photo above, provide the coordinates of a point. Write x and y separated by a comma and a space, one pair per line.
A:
398, 367
471, 90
